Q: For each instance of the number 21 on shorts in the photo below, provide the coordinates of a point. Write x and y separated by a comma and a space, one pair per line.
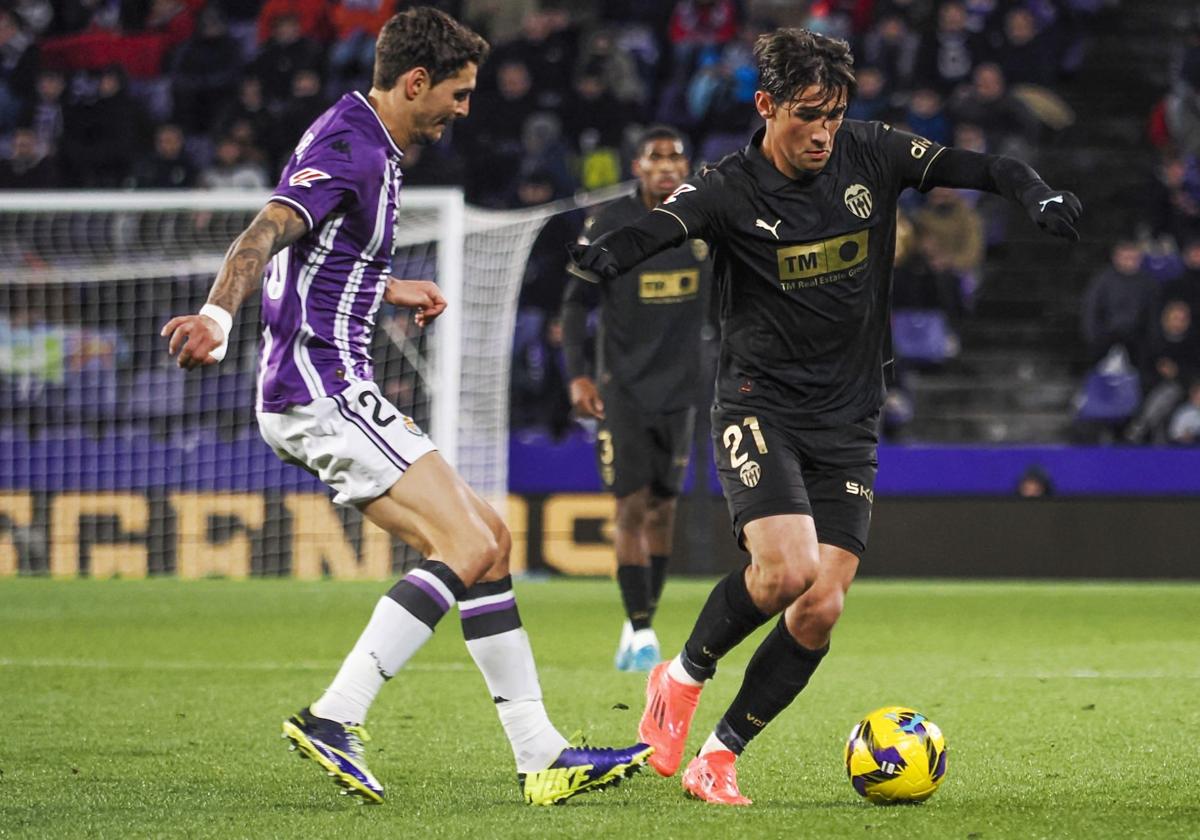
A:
732, 437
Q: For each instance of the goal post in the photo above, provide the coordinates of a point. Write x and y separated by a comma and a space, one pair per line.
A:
113, 461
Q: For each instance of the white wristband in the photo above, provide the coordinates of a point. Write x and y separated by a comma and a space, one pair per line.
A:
225, 322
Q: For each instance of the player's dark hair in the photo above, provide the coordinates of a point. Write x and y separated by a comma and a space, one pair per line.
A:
658, 132
424, 37
790, 60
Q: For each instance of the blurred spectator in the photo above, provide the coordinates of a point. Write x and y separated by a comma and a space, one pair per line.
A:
543, 150
305, 105
1116, 306
1173, 199
168, 167
104, 133
312, 18
44, 112
618, 69
547, 48
926, 116
891, 45
432, 166
27, 167
720, 95
1023, 53
18, 66
490, 142
539, 391
1171, 363
949, 53
1035, 483
356, 25
1182, 105
594, 117
871, 101
250, 108
1186, 287
700, 24
286, 53
953, 231
1009, 126
1184, 428
541, 284
231, 170
205, 72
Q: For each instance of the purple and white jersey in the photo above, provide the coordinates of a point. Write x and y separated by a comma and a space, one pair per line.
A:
320, 294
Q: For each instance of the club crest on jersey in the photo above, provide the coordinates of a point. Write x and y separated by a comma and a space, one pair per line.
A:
680, 190
307, 176
858, 200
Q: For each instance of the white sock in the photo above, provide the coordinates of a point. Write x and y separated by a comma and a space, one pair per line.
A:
713, 744
644, 638
677, 672
626, 635
506, 662
389, 640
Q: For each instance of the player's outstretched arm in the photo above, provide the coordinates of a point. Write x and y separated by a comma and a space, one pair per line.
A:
1055, 211
201, 339
422, 295
620, 250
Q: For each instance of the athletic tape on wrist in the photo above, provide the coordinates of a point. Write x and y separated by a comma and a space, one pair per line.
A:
225, 322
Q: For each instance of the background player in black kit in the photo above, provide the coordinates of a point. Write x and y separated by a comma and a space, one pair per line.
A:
803, 233
647, 364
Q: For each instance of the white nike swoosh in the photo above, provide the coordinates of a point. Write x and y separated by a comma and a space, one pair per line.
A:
1058, 199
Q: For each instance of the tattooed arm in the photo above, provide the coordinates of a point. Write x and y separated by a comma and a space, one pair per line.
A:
200, 339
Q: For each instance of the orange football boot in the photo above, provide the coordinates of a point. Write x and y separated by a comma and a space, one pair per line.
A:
712, 777
669, 709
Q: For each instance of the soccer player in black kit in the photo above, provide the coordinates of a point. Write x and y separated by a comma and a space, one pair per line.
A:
803, 225
644, 391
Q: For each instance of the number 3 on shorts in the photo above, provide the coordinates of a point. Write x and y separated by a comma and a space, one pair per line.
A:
732, 438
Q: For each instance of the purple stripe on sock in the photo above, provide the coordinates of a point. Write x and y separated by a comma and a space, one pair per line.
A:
428, 589
507, 604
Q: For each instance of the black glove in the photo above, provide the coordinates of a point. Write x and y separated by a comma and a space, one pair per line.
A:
1054, 211
592, 263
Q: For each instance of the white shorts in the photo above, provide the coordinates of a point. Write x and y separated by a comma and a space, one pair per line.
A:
356, 441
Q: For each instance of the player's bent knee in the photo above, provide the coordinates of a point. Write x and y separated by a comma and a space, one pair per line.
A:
776, 586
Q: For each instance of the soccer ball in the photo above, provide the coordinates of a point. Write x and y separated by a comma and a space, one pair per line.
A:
896, 754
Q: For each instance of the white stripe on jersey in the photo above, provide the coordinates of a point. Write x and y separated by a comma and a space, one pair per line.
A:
312, 379
341, 322
263, 361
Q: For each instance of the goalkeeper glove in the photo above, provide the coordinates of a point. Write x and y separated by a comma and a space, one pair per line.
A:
1054, 211
592, 263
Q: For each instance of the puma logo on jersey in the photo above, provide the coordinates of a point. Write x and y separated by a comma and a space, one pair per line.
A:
1058, 199
760, 223
307, 176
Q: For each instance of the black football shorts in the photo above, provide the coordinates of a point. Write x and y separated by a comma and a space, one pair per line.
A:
636, 449
767, 469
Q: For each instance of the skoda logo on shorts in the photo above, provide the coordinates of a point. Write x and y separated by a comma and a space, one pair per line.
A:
750, 473
858, 200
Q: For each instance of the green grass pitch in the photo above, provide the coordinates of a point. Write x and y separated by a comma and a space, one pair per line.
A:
152, 709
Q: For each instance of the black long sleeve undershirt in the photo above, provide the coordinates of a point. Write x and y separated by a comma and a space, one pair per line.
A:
658, 230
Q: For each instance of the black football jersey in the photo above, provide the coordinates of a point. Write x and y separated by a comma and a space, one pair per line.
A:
803, 271
648, 339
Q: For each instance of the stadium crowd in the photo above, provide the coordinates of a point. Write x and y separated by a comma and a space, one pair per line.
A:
163, 94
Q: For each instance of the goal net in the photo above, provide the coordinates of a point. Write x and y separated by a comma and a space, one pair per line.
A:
115, 462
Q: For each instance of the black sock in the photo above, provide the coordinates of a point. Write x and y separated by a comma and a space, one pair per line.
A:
658, 578
777, 672
635, 593
728, 616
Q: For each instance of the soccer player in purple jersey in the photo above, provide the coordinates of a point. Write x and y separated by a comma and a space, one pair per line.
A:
324, 242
